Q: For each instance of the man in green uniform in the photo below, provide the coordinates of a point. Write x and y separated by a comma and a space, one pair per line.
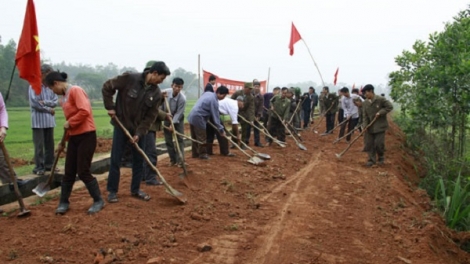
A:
330, 106
248, 110
375, 107
281, 105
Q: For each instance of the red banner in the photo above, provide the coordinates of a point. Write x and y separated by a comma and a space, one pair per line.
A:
230, 84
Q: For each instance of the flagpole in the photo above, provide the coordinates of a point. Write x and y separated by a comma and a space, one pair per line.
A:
11, 80
316, 66
199, 75
267, 83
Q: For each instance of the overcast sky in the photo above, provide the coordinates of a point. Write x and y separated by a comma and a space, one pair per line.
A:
237, 40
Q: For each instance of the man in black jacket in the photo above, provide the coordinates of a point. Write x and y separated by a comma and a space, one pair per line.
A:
210, 85
137, 101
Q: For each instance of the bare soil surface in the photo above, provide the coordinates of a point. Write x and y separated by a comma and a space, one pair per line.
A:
302, 207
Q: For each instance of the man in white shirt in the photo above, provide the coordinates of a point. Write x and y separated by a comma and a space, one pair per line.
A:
229, 107
351, 113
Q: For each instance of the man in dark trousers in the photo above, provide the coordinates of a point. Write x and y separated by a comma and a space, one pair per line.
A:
210, 85
314, 102
206, 107
351, 113
281, 105
306, 109
375, 107
248, 110
259, 103
137, 101
330, 106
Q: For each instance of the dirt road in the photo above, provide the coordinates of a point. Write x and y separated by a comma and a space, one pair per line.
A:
303, 207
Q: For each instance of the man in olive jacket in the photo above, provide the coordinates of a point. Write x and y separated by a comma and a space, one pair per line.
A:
248, 110
137, 101
280, 105
375, 108
330, 106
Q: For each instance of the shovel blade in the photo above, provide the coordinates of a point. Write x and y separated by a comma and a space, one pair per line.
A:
41, 189
177, 195
263, 156
338, 156
24, 213
301, 146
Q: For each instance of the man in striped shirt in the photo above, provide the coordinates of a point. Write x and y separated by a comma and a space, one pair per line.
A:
43, 123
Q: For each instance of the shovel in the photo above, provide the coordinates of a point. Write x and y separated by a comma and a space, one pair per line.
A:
261, 155
184, 175
300, 145
314, 129
168, 188
183, 135
354, 140
44, 187
265, 132
23, 210
253, 160
349, 133
338, 125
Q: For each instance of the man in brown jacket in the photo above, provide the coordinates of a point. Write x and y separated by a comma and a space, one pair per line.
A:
375, 108
248, 110
137, 101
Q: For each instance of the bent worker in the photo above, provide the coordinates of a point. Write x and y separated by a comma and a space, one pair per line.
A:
207, 107
137, 102
81, 137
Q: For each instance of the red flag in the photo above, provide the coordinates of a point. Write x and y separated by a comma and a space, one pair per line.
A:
354, 85
294, 37
27, 55
336, 76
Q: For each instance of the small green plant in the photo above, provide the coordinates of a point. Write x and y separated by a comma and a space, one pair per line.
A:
232, 227
12, 254
453, 200
230, 187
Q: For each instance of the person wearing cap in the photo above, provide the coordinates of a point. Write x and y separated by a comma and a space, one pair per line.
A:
136, 106
375, 108
259, 103
292, 107
247, 112
330, 107
229, 107
43, 123
210, 85
281, 105
206, 107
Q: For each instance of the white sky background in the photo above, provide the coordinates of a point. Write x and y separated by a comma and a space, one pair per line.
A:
236, 39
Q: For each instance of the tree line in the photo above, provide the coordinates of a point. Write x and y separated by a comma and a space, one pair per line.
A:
432, 86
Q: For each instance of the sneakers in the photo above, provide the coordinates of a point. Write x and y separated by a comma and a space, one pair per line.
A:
243, 147
180, 164
370, 164
56, 170
154, 182
230, 154
204, 157
38, 172
171, 164
259, 145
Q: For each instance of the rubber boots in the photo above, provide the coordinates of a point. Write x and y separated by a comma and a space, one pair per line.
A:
66, 190
95, 193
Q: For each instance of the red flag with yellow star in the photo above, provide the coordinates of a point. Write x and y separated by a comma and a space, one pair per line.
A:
27, 55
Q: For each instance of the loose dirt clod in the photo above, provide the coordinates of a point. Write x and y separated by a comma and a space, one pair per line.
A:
204, 247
